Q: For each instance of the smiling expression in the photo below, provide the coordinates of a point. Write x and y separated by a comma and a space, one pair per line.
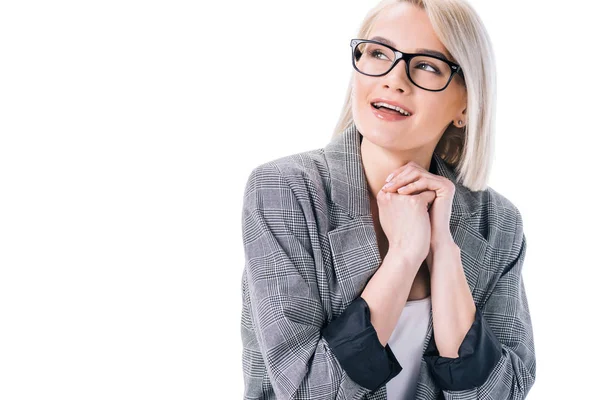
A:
408, 29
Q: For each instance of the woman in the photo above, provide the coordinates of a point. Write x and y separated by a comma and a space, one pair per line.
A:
381, 266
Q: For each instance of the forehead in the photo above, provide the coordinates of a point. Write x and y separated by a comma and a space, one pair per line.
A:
408, 27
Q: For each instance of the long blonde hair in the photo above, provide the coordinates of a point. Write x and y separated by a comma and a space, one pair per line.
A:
469, 149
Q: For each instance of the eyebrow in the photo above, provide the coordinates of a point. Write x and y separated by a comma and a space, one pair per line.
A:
424, 51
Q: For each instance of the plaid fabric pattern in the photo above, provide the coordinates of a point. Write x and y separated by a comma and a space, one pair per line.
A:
310, 249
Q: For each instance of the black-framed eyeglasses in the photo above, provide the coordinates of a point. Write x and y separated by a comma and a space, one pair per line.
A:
426, 71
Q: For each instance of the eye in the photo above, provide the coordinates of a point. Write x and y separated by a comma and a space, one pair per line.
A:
433, 69
376, 53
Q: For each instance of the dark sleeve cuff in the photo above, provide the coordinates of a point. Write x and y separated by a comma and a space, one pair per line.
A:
479, 352
353, 340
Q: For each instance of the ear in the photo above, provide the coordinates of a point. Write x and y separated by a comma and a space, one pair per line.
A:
461, 119
462, 116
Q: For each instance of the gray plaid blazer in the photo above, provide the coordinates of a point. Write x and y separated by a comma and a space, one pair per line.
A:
310, 249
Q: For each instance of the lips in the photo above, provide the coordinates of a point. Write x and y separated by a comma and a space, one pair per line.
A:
391, 102
385, 114
386, 110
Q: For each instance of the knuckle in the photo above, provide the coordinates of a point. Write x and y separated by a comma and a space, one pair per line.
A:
382, 196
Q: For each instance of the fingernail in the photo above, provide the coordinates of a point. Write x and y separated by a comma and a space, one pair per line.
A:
390, 176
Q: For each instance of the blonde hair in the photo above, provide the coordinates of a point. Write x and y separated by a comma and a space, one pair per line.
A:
468, 149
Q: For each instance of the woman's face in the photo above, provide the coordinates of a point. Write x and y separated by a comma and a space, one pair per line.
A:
409, 29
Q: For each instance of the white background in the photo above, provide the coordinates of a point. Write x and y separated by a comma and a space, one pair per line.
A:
128, 130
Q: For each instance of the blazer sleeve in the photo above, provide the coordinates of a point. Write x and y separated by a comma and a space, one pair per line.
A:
497, 357
305, 356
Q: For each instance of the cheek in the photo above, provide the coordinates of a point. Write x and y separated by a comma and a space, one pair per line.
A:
434, 110
361, 87
360, 95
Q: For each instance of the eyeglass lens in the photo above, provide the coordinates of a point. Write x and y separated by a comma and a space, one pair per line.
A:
427, 72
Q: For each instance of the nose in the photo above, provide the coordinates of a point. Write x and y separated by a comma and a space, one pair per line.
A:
397, 77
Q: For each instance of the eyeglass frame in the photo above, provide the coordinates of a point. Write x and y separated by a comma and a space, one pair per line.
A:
407, 57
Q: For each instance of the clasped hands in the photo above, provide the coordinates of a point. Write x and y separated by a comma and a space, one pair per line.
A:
411, 179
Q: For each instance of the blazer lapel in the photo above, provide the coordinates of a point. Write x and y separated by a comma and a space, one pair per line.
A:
354, 251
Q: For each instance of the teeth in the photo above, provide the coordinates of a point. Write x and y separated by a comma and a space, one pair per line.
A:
400, 110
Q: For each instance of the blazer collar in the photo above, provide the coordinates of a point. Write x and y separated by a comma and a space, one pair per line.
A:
349, 183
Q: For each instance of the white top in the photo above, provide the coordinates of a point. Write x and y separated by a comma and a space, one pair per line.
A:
407, 342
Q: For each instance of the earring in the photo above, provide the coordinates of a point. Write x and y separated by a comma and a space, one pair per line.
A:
459, 122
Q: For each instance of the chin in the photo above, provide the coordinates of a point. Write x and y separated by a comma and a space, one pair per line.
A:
381, 133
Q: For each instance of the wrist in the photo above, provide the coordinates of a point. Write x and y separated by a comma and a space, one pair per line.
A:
443, 247
440, 242
401, 256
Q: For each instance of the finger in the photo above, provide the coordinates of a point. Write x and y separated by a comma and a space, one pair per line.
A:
427, 197
401, 180
412, 187
398, 171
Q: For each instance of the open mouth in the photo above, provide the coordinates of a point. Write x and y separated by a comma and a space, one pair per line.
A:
389, 109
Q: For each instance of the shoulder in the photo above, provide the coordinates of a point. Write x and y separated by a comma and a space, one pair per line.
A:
303, 173
287, 196
493, 204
